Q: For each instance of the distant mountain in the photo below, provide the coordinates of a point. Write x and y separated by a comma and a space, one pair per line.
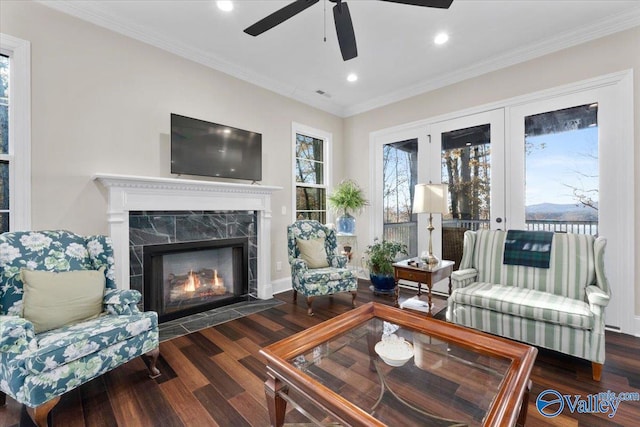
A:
560, 212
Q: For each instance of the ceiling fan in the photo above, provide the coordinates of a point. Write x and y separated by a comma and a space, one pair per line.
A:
341, 17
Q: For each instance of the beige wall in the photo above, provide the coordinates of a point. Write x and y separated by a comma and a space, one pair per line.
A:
614, 53
101, 103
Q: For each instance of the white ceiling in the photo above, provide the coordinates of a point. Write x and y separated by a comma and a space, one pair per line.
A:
396, 55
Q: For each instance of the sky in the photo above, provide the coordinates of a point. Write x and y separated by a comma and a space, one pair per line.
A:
568, 158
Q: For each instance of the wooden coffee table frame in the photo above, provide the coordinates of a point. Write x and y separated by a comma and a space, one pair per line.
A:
509, 406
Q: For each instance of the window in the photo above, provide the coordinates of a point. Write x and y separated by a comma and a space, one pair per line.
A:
4, 143
466, 168
400, 175
310, 169
15, 136
561, 170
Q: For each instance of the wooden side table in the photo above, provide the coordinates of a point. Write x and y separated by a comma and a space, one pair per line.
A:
421, 273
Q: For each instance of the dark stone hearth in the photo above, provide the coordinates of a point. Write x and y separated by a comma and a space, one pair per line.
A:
201, 226
159, 227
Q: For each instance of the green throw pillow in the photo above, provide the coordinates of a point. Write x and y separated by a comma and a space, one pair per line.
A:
52, 300
312, 251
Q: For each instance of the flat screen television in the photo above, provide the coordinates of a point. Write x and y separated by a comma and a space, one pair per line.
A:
209, 149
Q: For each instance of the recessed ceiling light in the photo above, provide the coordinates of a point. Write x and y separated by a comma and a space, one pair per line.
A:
225, 5
352, 77
441, 38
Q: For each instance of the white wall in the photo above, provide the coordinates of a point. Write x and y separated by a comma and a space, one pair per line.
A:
617, 52
101, 103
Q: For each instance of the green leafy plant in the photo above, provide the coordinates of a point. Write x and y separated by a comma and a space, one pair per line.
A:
382, 254
348, 196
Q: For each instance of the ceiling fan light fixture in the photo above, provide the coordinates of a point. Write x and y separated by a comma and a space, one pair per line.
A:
441, 38
352, 77
225, 5
341, 16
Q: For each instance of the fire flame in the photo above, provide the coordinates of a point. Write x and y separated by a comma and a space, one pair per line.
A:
217, 282
192, 281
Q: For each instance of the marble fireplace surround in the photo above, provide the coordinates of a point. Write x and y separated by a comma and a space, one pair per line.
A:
138, 193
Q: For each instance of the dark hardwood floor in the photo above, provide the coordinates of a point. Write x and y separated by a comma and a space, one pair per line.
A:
215, 377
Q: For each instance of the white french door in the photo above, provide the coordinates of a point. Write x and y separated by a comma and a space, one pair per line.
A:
382, 179
553, 161
468, 154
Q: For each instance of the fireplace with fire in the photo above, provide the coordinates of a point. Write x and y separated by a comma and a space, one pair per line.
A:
186, 278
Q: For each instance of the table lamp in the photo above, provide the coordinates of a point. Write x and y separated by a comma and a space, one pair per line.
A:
430, 198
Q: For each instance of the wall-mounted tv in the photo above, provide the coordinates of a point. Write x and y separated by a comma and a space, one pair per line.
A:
209, 149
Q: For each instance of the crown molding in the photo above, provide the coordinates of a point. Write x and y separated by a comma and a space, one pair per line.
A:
565, 40
90, 11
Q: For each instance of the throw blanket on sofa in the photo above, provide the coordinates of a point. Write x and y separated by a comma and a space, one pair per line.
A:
529, 248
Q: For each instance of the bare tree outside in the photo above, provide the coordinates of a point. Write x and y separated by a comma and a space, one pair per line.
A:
310, 180
400, 175
466, 168
561, 170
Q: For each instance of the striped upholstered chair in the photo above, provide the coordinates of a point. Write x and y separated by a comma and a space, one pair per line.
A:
561, 307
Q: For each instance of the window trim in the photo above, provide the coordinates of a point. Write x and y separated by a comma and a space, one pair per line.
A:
19, 156
326, 137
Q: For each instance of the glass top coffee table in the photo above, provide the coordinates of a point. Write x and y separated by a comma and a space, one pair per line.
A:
335, 373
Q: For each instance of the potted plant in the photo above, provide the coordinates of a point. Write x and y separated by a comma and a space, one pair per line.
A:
347, 198
379, 259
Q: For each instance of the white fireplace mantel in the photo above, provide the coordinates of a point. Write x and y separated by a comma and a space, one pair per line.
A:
138, 193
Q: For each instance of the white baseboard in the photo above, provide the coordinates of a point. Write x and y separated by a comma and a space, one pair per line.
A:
281, 285
636, 328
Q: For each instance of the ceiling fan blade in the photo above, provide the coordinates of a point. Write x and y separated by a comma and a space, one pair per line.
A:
440, 4
279, 16
344, 30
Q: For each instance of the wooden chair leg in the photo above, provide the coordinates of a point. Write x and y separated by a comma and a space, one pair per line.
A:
154, 372
40, 413
596, 369
3, 398
309, 309
353, 298
295, 296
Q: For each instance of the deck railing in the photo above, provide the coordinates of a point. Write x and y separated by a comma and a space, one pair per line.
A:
403, 232
469, 224
406, 232
578, 227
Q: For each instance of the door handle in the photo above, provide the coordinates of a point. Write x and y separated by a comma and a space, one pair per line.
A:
498, 220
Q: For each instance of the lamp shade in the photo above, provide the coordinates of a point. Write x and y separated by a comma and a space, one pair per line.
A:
430, 198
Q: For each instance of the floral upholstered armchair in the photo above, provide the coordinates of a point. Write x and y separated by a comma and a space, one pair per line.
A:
316, 268
48, 345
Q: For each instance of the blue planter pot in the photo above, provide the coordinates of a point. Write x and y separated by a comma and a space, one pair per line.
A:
382, 284
346, 224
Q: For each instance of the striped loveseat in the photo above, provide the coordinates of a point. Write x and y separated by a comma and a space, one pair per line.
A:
561, 307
